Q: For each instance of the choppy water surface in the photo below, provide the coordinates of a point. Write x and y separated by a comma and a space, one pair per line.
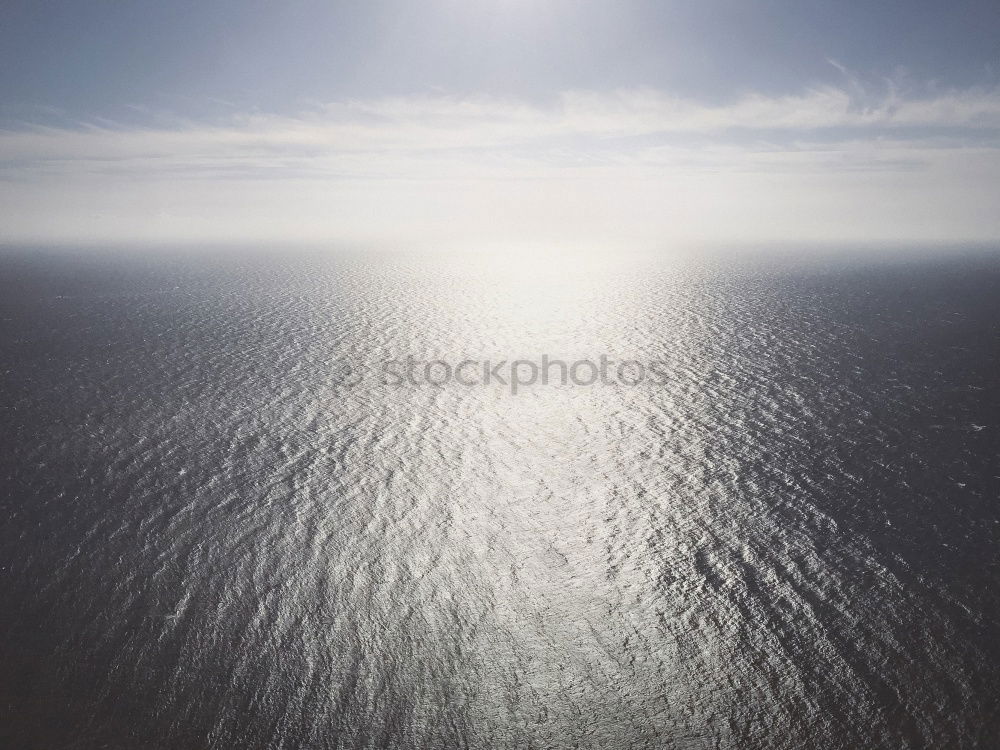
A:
209, 540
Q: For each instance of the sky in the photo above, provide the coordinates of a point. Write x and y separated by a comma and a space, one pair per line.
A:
491, 121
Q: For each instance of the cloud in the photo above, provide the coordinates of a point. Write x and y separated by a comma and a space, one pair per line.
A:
830, 163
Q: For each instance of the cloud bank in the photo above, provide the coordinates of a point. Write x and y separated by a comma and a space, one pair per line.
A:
635, 166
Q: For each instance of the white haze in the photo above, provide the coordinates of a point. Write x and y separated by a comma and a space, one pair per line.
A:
633, 166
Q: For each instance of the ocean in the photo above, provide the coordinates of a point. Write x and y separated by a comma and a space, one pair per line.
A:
488, 500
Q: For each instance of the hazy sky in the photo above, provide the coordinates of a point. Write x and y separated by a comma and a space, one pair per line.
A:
499, 120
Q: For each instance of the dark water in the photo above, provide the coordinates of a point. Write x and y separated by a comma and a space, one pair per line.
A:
209, 540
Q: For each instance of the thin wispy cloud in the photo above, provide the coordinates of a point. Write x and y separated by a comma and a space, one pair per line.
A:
586, 163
